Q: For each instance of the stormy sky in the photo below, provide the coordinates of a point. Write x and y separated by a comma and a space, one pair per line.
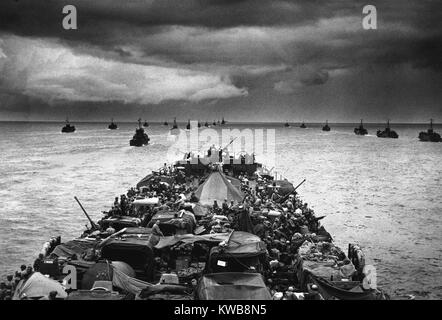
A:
260, 60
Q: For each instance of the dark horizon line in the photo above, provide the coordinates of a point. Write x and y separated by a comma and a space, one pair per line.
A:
227, 122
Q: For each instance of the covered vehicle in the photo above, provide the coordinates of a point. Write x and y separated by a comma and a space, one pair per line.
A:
320, 259
327, 266
232, 286
74, 248
218, 187
172, 223
38, 286
79, 253
120, 222
241, 252
134, 250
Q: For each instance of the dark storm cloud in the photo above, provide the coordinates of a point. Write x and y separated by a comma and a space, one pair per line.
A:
112, 23
146, 51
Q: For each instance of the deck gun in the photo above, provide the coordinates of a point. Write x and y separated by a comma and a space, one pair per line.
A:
288, 195
94, 226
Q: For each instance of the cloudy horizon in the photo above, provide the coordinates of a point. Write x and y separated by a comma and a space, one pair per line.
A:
269, 60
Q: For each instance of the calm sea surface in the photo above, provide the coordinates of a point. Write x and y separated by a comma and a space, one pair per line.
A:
384, 194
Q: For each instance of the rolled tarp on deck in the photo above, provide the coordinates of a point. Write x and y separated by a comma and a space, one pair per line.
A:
218, 187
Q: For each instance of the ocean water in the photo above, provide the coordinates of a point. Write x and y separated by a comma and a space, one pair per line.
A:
384, 194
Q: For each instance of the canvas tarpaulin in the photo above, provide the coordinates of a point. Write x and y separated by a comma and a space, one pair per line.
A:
127, 283
244, 244
233, 286
38, 286
217, 187
199, 210
74, 247
103, 270
190, 238
243, 251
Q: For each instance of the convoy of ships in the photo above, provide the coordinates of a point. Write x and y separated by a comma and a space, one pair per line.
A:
141, 138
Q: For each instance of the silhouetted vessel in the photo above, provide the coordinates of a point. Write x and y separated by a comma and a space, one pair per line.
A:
214, 123
387, 133
175, 125
199, 124
206, 124
286, 125
68, 127
361, 131
166, 123
430, 135
326, 127
145, 124
140, 137
303, 126
113, 125
188, 125
223, 122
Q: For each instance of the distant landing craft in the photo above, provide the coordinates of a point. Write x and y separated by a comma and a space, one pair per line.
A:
387, 133
286, 125
145, 124
303, 126
430, 135
166, 123
326, 127
175, 125
361, 131
112, 125
68, 128
140, 137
